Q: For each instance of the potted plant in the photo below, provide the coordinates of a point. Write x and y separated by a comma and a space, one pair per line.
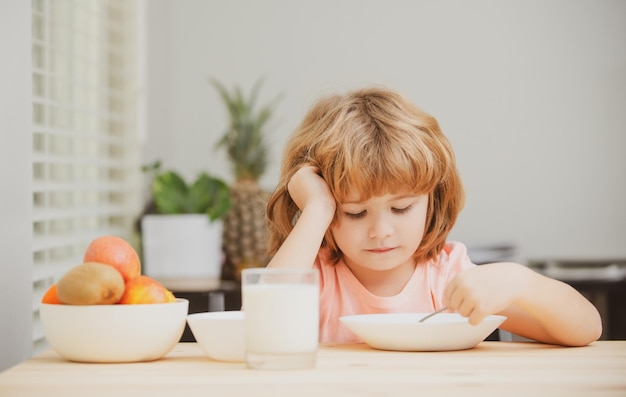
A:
181, 228
245, 227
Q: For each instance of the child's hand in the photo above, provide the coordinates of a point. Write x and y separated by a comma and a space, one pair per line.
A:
484, 290
307, 187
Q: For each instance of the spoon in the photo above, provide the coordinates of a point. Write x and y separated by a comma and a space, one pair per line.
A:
421, 320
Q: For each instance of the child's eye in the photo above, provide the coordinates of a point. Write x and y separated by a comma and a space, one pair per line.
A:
355, 216
401, 210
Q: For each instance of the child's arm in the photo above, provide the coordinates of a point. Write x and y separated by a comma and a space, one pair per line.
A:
537, 307
312, 195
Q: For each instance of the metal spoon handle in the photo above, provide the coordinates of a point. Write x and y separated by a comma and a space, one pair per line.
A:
421, 320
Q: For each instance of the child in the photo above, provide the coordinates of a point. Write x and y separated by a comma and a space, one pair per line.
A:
369, 191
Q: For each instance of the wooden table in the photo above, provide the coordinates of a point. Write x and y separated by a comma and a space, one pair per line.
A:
507, 368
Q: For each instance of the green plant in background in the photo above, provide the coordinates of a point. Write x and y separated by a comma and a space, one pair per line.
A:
171, 194
244, 140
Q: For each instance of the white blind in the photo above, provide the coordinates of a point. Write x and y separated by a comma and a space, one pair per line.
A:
86, 166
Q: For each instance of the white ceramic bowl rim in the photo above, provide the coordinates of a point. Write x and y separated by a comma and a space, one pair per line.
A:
411, 318
223, 315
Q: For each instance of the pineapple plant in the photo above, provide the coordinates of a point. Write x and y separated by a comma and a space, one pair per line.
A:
244, 226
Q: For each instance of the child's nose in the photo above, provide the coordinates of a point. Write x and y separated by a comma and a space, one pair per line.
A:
380, 228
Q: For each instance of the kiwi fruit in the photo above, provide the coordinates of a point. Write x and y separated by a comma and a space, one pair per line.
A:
91, 283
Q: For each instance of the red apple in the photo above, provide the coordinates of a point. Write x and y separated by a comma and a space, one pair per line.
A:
116, 252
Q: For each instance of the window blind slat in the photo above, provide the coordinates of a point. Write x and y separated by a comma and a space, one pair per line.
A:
81, 213
78, 187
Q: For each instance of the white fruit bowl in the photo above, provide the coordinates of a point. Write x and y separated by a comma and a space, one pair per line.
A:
220, 334
114, 333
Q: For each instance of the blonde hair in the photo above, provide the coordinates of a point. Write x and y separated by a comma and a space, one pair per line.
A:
371, 142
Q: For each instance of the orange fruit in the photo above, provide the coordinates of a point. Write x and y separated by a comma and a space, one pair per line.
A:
51, 296
116, 252
170, 296
144, 289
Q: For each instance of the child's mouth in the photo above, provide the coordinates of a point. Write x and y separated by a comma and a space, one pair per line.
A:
381, 250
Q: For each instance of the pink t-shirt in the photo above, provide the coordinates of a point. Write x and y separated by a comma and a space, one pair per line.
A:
341, 294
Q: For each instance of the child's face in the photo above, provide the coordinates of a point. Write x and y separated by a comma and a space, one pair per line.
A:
380, 233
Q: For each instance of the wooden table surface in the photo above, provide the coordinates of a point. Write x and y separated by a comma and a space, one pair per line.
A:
491, 368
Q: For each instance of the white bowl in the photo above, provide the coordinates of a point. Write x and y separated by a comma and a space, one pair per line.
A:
220, 334
114, 333
403, 332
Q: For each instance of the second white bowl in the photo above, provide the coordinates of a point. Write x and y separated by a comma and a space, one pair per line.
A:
220, 334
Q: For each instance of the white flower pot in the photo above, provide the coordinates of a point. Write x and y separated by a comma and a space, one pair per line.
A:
182, 246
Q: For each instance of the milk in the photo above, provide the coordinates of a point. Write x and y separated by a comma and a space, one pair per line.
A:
281, 318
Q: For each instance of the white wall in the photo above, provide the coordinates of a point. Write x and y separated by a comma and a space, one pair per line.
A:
15, 176
531, 93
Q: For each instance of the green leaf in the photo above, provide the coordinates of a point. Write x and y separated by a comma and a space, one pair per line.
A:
209, 195
170, 193
221, 200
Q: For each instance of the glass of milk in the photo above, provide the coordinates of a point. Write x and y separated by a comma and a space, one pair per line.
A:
281, 309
